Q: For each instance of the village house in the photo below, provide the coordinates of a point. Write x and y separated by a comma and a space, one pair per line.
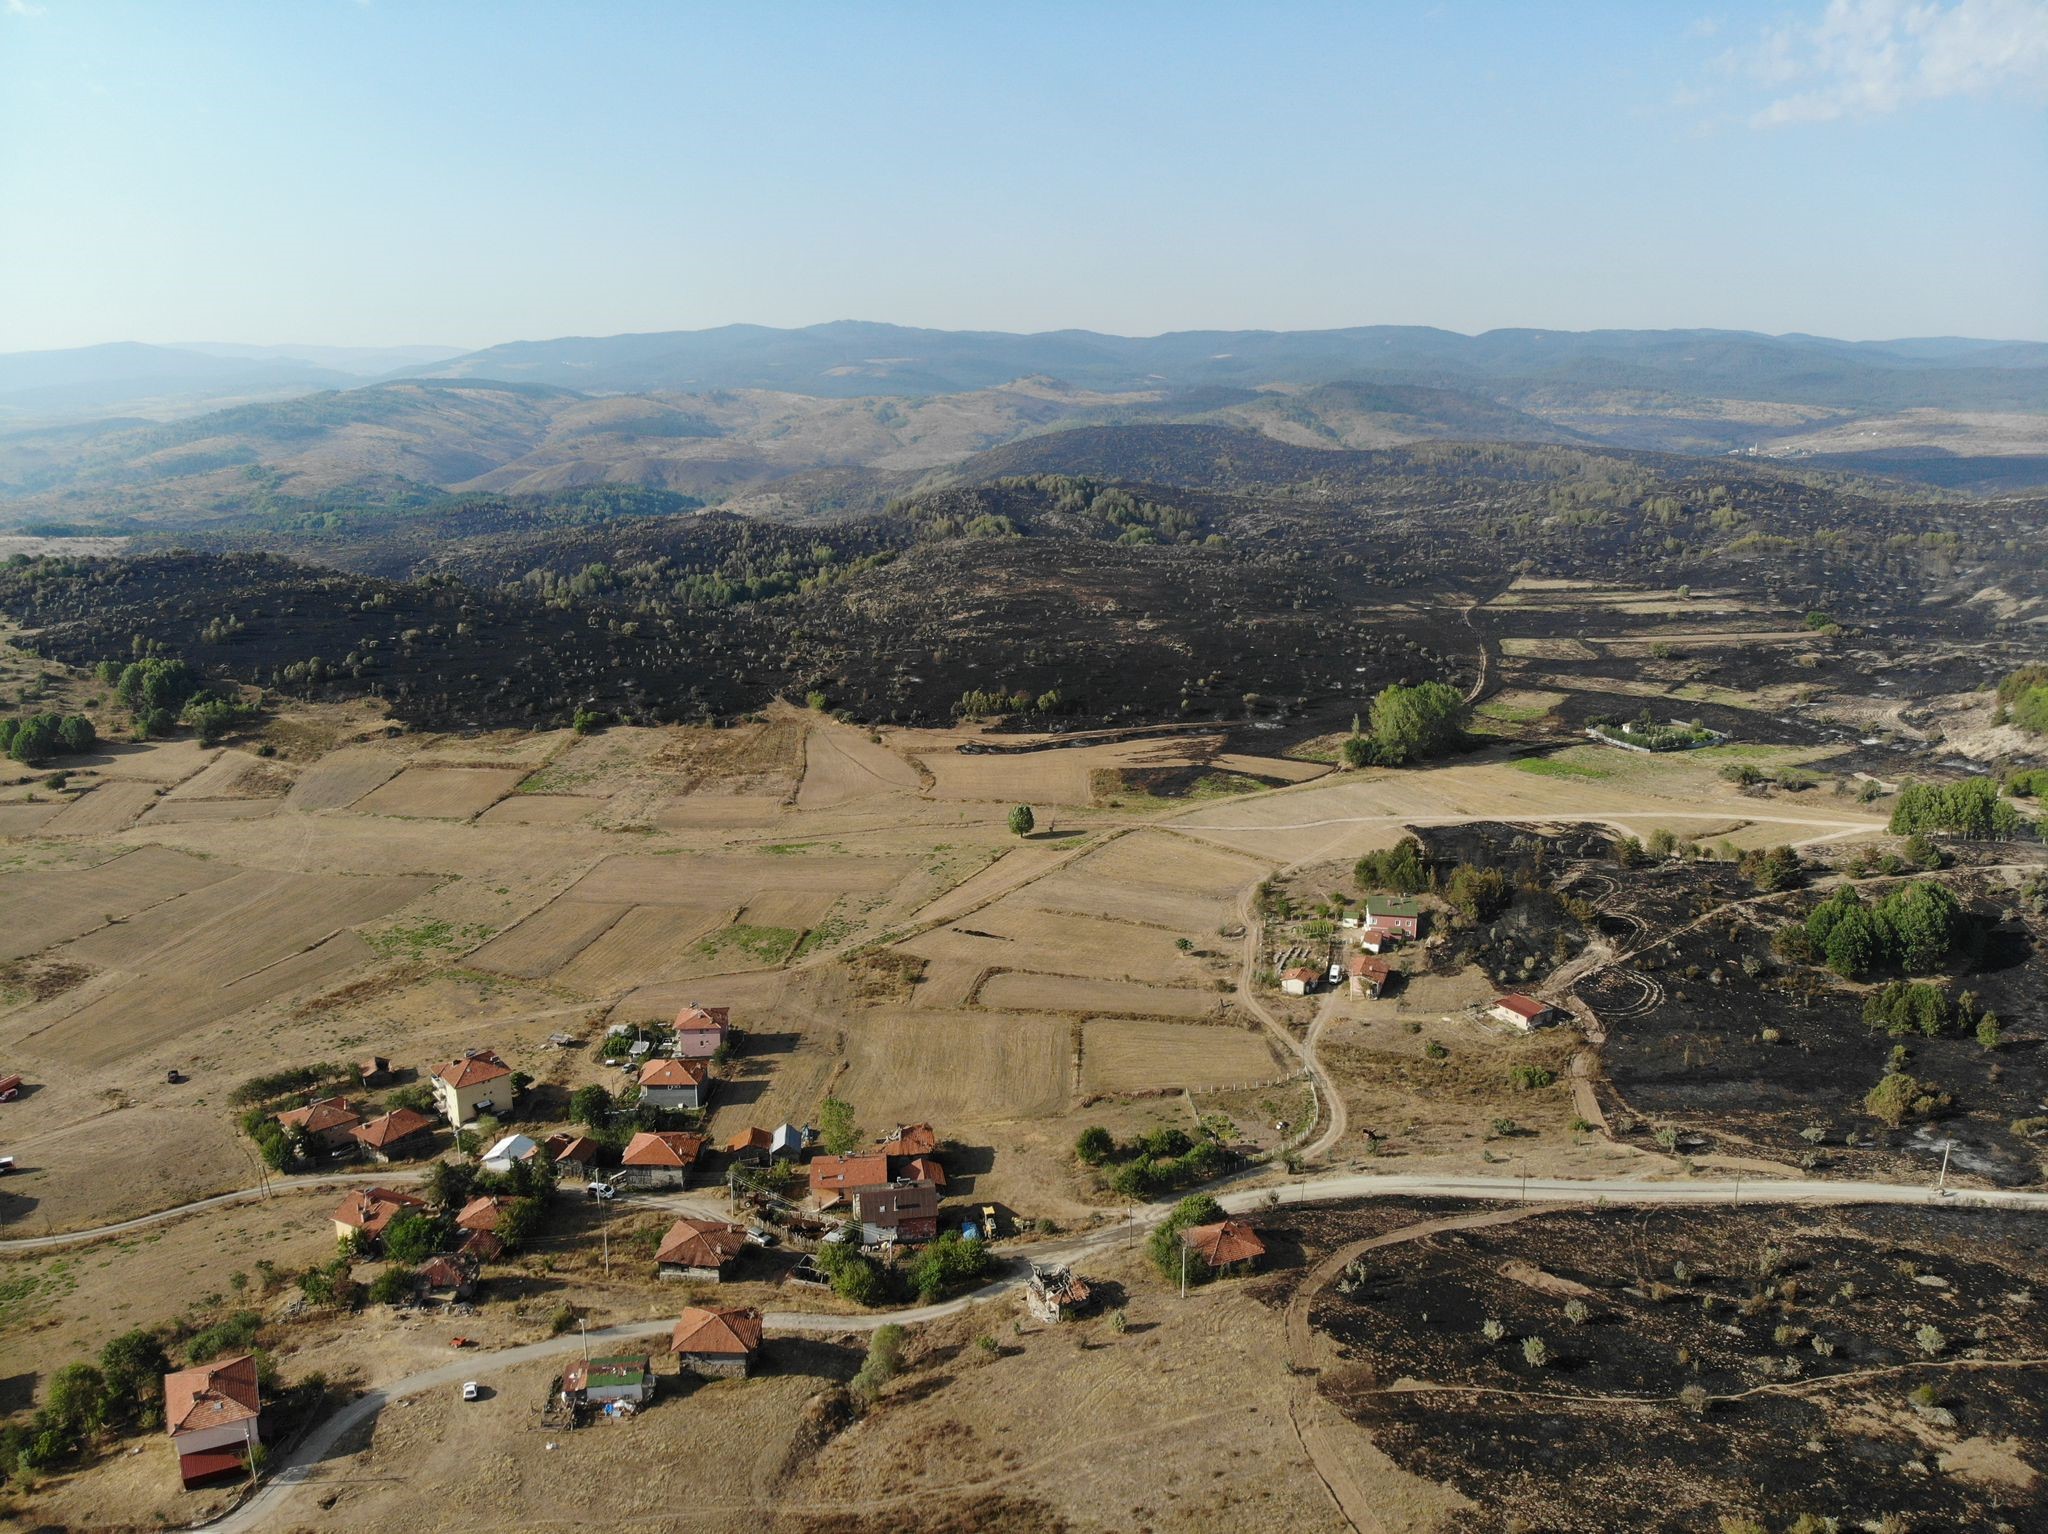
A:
700, 1249
909, 1140
366, 1212
899, 1211
514, 1148
1056, 1294
1379, 939
1521, 1012
481, 1246
1225, 1245
717, 1341
675, 1083
482, 1214
573, 1153
1299, 982
1368, 976
479, 1082
751, 1146
1394, 914
214, 1415
924, 1169
701, 1031
373, 1070
789, 1142
610, 1377
834, 1178
450, 1275
660, 1158
400, 1135
328, 1122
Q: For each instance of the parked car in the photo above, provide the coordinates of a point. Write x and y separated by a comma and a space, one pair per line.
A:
6, 1165
760, 1237
1336, 973
599, 1190
472, 1391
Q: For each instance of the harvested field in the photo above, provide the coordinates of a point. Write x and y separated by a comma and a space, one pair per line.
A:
1151, 877
798, 909
1546, 649
441, 793
648, 943
1028, 991
1018, 937
1012, 868
342, 777
548, 939
842, 764
205, 956
955, 1067
109, 807
701, 880
1126, 1055
1055, 775
46, 908
696, 812
156, 761
537, 810
1284, 769
26, 819
170, 812
235, 775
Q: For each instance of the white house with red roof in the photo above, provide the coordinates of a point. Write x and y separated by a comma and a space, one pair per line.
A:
675, 1083
1522, 1012
701, 1031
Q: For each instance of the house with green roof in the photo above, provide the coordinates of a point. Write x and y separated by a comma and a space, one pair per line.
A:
613, 1377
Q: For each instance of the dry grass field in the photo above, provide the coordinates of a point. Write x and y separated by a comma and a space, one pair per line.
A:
450, 793
1130, 1055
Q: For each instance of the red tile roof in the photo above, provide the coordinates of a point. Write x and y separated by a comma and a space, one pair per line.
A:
1304, 973
399, 1124
674, 1073
444, 1272
910, 1140
726, 1333
663, 1148
924, 1169
1225, 1242
1368, 968
211, 1395
701, 1244
322, 1115
473, 1069
371, 1209
483, 1245
482, 1214
834, 1176
572, 1147
752, 1138
695, 1017
1522, 1006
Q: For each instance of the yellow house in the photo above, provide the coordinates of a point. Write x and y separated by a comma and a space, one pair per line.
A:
479, 1081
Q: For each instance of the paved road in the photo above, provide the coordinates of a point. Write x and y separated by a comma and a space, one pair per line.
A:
268, 1501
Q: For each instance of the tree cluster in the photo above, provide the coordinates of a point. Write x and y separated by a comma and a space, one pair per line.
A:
1970, 809
34, 738
1914, 928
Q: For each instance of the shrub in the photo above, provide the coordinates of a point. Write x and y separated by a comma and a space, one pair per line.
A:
1529, 1077
393, 1286
1164, 1244
1095, 1145
948, 1263
1022, 821
1401, 869
1930, 1340
883, 1363
1480, 893
1535, 1352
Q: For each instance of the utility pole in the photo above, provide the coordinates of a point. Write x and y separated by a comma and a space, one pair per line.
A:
1525, 1178
1183, 1269
1941, 1187
583, 1330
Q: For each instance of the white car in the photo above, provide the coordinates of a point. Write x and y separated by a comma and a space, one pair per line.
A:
760, 1237
599, 1190
472, 1391
1336, 973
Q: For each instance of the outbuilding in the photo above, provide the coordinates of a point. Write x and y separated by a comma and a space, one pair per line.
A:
1299, 982
1368, 976
1522, 1012
717, 1340
607, 1378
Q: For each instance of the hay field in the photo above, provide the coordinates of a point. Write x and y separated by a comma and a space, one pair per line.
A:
156, 761
171, 812
1012, 868
441, 793
21, 819
56, 906
1284, 769
1152, 877
109, 807
1023, 991
841, 764
1546, 649
234, 775
715, 812
798, 909
342, 777
1126, 1055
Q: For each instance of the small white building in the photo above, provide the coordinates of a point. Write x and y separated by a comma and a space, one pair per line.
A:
616, 1377
1524, 1013
513, 1148
1299, 982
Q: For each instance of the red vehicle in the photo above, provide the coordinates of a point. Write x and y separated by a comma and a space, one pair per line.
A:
10, 1088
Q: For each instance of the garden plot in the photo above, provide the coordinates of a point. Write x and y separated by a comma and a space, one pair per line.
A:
342, 777
441, 793
842, 764
1018, 936
548, 939
1027, 991
109, 807
192, 961
1127, 1055
648, 943
537, 810
41, 908
954, 1068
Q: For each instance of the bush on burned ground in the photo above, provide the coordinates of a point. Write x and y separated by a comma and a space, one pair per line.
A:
1970, 809
1918, 926
1479, 893
1773, 869
1402, 869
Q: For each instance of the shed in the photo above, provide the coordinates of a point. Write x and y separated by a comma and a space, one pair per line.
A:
1225, 1245
717, 1340
609, 1377
1522, 1012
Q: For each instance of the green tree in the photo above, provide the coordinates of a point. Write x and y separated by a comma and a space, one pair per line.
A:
1163, 1246
1022, 821
948, 1263
1921, 923
133, 1366
883, 1362
1095, 1145
1412, 724
393, 1286
412, 1238
590, 1106
837, 1130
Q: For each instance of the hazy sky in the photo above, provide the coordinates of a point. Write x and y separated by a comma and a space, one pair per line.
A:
383, 172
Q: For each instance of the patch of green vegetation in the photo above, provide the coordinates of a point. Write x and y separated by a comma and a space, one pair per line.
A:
428, 935
1551, 767
787, 849
765, 945
31, 1290
829, 933
1221, 785
1508, 713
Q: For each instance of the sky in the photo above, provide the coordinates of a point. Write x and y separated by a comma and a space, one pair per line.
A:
407, 171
